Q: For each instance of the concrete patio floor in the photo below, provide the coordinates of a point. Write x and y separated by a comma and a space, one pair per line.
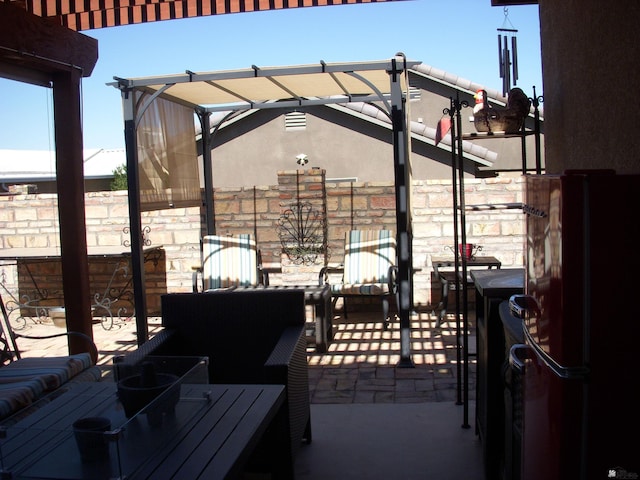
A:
370, 419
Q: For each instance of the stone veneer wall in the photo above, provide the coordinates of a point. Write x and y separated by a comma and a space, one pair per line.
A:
31, 221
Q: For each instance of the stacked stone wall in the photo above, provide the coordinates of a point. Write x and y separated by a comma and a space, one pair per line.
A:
30, 221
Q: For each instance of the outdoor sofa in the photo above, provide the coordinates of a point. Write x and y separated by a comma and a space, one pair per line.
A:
24, 381
250, 337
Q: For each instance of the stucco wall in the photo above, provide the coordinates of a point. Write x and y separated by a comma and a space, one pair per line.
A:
346, 146
590, 53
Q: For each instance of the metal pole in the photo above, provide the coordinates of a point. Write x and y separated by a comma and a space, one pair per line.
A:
463, 280
135, 222
451, 111
207, 170
536, 125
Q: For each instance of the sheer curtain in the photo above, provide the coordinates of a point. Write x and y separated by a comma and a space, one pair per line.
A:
167, 157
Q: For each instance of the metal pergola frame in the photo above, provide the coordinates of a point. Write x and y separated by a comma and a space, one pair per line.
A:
383, 82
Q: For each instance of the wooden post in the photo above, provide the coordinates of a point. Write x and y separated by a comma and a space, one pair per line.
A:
70, 179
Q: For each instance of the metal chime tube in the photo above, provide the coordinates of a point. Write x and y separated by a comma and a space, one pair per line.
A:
514, 49
507, 59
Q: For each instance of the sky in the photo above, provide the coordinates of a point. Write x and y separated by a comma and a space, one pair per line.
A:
458, 36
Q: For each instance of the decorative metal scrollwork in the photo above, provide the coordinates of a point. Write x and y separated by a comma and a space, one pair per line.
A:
146, 241
301, 231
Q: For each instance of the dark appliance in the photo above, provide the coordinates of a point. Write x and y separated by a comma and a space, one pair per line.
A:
493, 287
581, 327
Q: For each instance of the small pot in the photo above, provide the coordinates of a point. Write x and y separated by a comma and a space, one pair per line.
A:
466, 250
58, 316
90, 437
135, 395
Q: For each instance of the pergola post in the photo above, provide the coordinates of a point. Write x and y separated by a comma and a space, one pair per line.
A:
403, 217
135, 222
207, 169
71, 214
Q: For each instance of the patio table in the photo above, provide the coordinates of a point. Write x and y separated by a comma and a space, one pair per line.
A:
447, 278
210, 435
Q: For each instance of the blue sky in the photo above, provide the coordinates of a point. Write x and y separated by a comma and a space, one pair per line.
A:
459, 36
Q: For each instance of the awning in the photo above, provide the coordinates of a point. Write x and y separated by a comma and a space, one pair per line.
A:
87, 15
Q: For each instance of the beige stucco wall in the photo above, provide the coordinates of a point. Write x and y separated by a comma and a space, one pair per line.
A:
590, 53
252, 150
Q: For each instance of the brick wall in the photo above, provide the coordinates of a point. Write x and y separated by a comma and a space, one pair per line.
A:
31, 221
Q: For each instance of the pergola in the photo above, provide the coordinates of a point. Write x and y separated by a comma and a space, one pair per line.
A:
161, 141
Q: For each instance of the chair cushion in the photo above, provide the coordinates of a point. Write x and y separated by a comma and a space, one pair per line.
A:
229, 261
360, 289
368, 256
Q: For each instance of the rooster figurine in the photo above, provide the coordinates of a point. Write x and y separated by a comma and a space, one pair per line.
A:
507, 119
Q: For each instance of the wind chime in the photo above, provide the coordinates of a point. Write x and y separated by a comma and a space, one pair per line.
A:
507, 53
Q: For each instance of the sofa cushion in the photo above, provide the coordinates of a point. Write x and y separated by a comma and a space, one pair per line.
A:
51, 371
19, 394
26, 380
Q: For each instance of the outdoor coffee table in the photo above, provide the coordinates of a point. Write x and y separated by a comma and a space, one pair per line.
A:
210, 435
319, 298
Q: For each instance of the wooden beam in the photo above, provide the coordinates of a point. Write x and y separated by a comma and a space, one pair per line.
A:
32, 48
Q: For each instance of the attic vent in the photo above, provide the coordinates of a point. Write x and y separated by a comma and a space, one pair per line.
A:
414, 93
295, 121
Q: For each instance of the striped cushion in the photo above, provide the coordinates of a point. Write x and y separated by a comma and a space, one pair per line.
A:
229, 261
19, 394
367, 258
25, 381
51, 371
360, 289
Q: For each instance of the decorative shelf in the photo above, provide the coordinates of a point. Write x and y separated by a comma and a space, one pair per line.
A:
483, 135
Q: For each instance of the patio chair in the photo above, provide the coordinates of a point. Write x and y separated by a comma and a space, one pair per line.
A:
251, 336
368, 270
229, 262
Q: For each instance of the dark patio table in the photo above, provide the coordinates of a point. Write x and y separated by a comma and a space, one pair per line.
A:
210, 435
447, 278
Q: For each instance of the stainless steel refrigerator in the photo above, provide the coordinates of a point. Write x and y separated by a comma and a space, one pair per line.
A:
581, 317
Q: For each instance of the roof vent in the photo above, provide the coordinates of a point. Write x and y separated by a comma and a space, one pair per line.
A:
414, 94
295, 121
